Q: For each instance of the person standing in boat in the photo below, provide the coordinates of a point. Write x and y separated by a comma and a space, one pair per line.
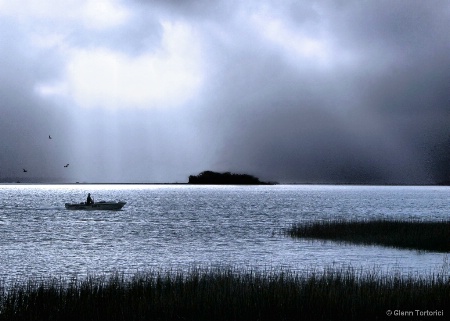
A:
89, 200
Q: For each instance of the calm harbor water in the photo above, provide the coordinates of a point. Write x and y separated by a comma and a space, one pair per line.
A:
181, 227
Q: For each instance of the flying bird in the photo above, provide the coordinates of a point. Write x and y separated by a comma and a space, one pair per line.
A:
49, 137
67, 165
24, 170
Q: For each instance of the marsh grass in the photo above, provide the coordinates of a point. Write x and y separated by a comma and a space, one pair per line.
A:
423, 236
225, 294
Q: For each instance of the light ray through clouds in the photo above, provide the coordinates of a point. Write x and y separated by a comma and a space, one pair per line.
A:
101, 77
154, 91
105, 78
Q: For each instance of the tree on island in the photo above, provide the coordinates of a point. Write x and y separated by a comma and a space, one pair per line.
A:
209, 177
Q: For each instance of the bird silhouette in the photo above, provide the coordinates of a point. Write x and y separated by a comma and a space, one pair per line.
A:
67, 165
49, 137
24, 170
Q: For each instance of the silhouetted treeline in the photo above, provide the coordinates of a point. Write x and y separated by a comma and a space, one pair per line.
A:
209, 177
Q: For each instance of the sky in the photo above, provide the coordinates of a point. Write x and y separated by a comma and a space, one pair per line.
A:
152, 91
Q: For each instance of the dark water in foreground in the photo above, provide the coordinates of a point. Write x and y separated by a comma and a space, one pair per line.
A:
182, 226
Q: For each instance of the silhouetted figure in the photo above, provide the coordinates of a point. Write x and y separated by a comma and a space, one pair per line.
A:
24, 170
89, 200
67, 165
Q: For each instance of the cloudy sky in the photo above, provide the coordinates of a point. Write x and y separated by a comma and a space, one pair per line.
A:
288, 91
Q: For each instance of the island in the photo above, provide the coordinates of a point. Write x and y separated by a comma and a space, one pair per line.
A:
227, 178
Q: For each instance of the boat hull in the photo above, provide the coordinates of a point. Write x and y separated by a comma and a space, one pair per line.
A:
110, 206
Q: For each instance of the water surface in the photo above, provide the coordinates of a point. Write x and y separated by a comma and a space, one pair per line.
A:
182, 226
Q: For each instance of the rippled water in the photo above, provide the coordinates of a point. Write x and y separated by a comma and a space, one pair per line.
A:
181, 226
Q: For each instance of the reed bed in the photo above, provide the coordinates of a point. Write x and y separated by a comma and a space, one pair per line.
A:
227, 294
418, 235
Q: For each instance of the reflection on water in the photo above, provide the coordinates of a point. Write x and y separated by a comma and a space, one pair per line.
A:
181, 226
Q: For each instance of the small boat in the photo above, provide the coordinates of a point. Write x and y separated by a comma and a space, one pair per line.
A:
102, 205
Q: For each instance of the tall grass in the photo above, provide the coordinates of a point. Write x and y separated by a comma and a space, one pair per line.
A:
425, 236
226, 294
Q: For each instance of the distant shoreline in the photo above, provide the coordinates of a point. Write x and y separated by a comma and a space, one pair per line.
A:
225, 178
207, 178
308, 184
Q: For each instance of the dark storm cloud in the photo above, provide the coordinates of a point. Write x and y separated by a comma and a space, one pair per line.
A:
202, 9
324, 91
26, 120
375, 120
143, 34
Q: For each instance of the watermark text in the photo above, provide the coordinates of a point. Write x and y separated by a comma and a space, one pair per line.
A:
415, 313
